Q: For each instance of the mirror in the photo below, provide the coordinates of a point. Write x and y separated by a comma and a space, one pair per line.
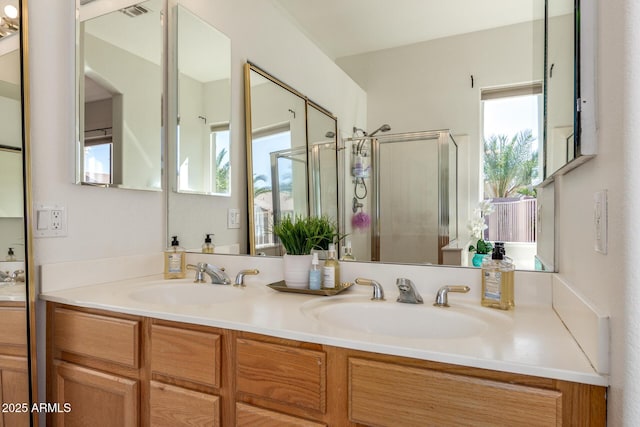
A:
204, 107
207, 184
571, 127
560, 132
404, 89
291, 158
119, 82
17, 352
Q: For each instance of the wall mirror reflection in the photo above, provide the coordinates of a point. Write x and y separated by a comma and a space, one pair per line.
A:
119, 81
287, 145
203, 57
561, 68
448, 75
14, 373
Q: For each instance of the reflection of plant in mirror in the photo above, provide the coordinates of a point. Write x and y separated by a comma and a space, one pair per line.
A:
510, 164
303, 234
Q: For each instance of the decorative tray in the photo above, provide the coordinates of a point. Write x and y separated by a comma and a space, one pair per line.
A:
282, 287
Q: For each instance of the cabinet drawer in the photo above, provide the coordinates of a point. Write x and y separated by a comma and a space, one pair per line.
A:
107, 338
252, 416
384, 394
286, 374
13, 327
185, 354
173, 406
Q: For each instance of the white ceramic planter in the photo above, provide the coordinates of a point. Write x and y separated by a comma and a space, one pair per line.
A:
296, 270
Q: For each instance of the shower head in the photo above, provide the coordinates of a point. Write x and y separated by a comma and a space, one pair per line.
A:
330, 134
384, 128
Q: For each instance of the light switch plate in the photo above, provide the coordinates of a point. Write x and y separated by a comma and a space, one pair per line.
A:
233, 218
600, 219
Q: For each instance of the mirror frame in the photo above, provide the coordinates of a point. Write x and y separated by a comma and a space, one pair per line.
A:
248, 68
28, 204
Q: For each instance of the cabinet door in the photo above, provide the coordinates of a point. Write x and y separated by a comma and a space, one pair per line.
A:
251, 416
14, 391
173, 406
96, 398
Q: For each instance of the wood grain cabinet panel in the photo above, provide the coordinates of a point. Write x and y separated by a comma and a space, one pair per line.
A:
173, 406
252, 416
14, 328
14, 389
186, 354
290, 375
101, 337
384, 394
96, 399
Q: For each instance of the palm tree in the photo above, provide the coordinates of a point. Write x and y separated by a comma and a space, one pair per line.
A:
510, 165
222, 172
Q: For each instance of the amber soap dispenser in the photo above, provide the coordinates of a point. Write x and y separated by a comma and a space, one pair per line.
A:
497, 280
174, 261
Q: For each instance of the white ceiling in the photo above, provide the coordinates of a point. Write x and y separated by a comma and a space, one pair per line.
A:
349, 27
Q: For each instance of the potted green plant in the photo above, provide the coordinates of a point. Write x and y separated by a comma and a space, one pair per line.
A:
482, 248
300, 236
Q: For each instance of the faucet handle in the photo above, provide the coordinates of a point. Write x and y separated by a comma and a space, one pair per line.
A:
442, 297
199, 269
378, 292
242, 273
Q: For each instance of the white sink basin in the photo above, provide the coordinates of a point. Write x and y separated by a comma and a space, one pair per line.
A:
172, 293
390, 318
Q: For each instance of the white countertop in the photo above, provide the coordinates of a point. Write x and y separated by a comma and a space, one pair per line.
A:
13, 291
529, 340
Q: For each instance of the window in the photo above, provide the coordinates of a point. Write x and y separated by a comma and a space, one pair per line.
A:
511, 167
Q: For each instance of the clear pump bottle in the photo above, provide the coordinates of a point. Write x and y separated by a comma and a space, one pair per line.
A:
11, 256
315, 275
331, 269
174, 261
498, 280
207, 246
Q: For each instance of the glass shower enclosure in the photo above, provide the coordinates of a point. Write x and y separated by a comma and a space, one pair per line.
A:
413, 202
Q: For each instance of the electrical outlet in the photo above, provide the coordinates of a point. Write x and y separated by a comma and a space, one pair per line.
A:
51, 220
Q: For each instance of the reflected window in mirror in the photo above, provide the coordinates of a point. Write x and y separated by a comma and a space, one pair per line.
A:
119, 81
203, 61
512, 168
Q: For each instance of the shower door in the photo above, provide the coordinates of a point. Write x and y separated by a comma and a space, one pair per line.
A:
414, 197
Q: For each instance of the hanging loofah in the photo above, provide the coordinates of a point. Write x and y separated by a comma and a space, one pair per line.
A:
360, 221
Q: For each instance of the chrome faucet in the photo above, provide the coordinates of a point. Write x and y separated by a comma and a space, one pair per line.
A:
408, 292
378, 292
241, 274
217, 274
442, 297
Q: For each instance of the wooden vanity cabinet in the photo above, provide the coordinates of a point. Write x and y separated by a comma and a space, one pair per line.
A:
172, 374
14, 377
186, 378
94, 361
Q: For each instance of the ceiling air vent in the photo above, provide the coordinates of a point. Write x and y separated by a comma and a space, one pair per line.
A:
134, 11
